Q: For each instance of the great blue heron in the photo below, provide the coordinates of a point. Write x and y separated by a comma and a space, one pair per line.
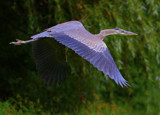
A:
89, 46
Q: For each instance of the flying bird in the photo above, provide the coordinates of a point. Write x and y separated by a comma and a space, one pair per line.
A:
89, 46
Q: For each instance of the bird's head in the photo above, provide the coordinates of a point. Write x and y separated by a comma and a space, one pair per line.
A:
124, 32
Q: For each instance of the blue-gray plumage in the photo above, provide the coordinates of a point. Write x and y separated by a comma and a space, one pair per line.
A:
89, 46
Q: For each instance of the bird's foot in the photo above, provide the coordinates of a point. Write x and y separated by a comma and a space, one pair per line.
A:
19, 42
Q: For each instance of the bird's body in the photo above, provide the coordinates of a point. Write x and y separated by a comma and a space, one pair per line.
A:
89, 46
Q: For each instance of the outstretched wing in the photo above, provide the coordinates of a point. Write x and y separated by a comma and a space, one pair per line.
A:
73, 35
50, 60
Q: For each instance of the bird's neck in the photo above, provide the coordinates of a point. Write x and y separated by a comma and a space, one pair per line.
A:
106, 32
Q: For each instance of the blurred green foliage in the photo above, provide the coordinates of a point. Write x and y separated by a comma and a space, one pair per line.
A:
137, 57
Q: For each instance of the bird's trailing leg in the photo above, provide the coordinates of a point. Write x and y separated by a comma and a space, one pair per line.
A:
19, 42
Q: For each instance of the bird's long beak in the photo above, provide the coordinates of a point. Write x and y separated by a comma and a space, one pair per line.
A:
129, 33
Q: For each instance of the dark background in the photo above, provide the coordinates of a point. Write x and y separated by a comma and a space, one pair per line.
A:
85, 90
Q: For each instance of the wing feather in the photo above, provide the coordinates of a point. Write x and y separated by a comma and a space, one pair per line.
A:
51, 65
95, 58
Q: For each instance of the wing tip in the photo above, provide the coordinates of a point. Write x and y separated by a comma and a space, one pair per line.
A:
122, 83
